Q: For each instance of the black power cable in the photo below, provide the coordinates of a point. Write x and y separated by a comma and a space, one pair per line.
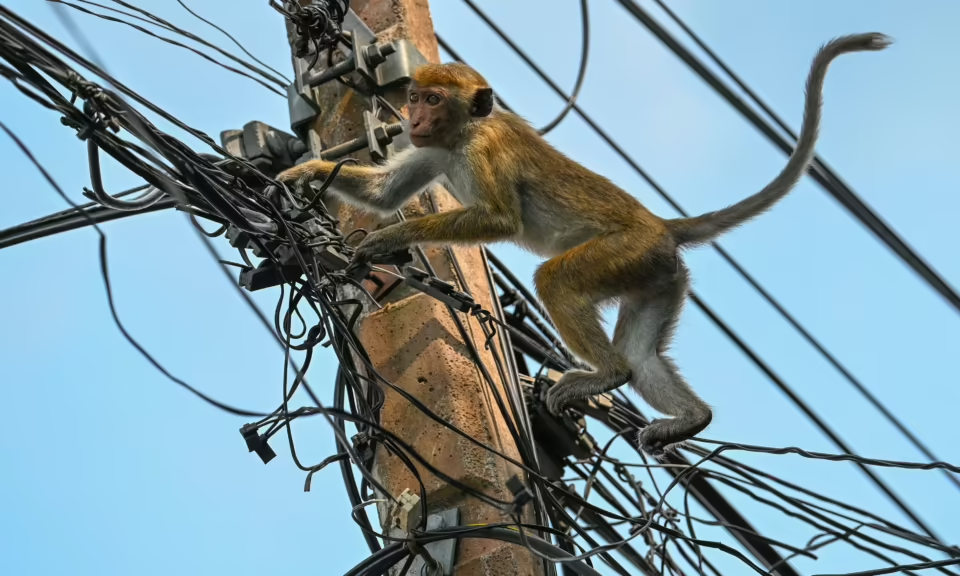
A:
813, 416
234, 40
723, 326
104, 272
181, 45
581, 74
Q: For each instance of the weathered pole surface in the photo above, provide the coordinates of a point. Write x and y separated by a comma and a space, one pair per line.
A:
414, 342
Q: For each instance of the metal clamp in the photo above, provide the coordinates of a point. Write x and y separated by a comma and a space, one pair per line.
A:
303, 110
384, 64
400, 64
384, 138
378, 139
442, 291
444, 551
264, 146
363, 60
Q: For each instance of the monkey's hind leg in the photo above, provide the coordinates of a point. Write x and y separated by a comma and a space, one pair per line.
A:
644, 329
571, 294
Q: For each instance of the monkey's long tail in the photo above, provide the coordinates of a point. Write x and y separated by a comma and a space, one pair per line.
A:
705, 228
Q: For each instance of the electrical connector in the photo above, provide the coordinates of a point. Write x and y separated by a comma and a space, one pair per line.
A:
521, 494
406, 514
442, 291
256, 442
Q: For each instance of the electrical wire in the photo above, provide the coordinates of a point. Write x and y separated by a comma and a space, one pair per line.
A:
172, 42
235, 41
109, 290
581, 74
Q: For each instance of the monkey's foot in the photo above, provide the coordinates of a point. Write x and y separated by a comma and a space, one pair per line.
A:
662, 433
579, 384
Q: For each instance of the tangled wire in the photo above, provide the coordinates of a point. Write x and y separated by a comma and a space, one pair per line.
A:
602, 499
318, 25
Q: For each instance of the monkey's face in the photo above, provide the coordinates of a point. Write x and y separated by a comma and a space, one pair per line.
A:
433, 116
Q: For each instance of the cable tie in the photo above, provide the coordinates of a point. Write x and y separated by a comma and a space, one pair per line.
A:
521, 494
442, 291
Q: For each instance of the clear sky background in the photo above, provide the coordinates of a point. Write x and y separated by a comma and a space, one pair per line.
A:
109, 468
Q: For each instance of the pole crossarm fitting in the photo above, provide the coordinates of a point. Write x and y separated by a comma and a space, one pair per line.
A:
377, 136
267, 148
382, 65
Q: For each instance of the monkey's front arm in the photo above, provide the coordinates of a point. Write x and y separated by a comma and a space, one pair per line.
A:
474, 225
383, 189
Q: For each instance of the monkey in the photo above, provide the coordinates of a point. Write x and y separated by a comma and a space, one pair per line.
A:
601, 244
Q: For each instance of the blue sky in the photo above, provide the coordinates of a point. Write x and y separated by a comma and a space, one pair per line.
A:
108, 468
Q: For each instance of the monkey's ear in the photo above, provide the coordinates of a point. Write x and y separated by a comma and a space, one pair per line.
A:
482, 103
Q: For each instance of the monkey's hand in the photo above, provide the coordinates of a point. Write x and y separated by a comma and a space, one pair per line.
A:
300, 176
307, 172
378, 243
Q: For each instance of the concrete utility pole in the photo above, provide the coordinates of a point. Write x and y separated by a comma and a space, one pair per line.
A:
413, 341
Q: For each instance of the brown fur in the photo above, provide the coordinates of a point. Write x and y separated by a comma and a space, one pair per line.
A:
602, 244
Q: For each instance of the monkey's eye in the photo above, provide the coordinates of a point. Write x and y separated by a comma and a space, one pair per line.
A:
433, 99
413, 97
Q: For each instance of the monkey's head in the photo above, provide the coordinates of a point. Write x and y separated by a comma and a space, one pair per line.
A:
442, 100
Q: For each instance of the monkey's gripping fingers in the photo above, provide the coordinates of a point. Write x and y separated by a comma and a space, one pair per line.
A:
377, 243
558, 396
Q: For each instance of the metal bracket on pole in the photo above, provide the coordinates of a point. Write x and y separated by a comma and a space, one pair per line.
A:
267, 148
360, 32
378, 139
400, 64
303, 110
443, 551
363, 59
390, 131
363, 55
383, 65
